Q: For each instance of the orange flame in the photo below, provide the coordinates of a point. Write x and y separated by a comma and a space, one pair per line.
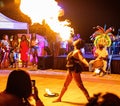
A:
48, 10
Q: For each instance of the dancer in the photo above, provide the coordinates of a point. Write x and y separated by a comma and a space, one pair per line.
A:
100, 61
1, 53
6, 50
46, 48
14, 51
34, 49
75, 61
24, 49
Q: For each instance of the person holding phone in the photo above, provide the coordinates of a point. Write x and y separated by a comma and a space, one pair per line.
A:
18, 91
34, 90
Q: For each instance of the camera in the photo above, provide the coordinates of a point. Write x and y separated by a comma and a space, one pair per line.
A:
33, 86
33, 83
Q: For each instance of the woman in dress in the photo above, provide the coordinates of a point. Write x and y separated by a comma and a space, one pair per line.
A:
24, 49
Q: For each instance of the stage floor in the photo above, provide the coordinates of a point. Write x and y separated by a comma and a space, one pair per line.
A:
54, 79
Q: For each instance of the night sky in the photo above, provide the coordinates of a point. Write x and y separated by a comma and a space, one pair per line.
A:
85, 14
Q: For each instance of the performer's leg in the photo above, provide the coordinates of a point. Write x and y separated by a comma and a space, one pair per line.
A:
65, 86
104, 68
36, 57
3, 60
26, 64
23, 63
78, 80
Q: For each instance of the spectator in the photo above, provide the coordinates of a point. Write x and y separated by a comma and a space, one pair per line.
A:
101, 99
18, 91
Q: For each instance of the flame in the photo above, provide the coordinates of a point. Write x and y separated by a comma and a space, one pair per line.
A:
48, 10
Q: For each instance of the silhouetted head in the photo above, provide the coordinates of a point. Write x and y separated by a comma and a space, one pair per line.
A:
5, 37
107, 99
79, 43
19, 84
15, 37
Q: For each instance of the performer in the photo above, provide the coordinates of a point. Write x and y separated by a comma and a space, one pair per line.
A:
46, 47
1, 53
6, 49
34, 48
101, 56
14, 51
63, 48
24, 49
75, 61
102, 40
76, 37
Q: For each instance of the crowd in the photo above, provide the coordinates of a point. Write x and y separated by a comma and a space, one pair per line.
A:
22, 48
19, 48
18, 91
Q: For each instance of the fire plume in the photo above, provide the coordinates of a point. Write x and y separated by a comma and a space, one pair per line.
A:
48, 10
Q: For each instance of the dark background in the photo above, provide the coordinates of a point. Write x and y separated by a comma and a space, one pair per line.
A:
86, 14
83, 14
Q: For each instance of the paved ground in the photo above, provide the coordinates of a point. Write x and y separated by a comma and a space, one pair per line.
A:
54, 79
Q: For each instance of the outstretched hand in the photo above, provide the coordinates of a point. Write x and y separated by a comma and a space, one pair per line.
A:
35, 93
36, 97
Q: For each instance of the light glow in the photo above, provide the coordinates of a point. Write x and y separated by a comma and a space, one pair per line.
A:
48, 10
